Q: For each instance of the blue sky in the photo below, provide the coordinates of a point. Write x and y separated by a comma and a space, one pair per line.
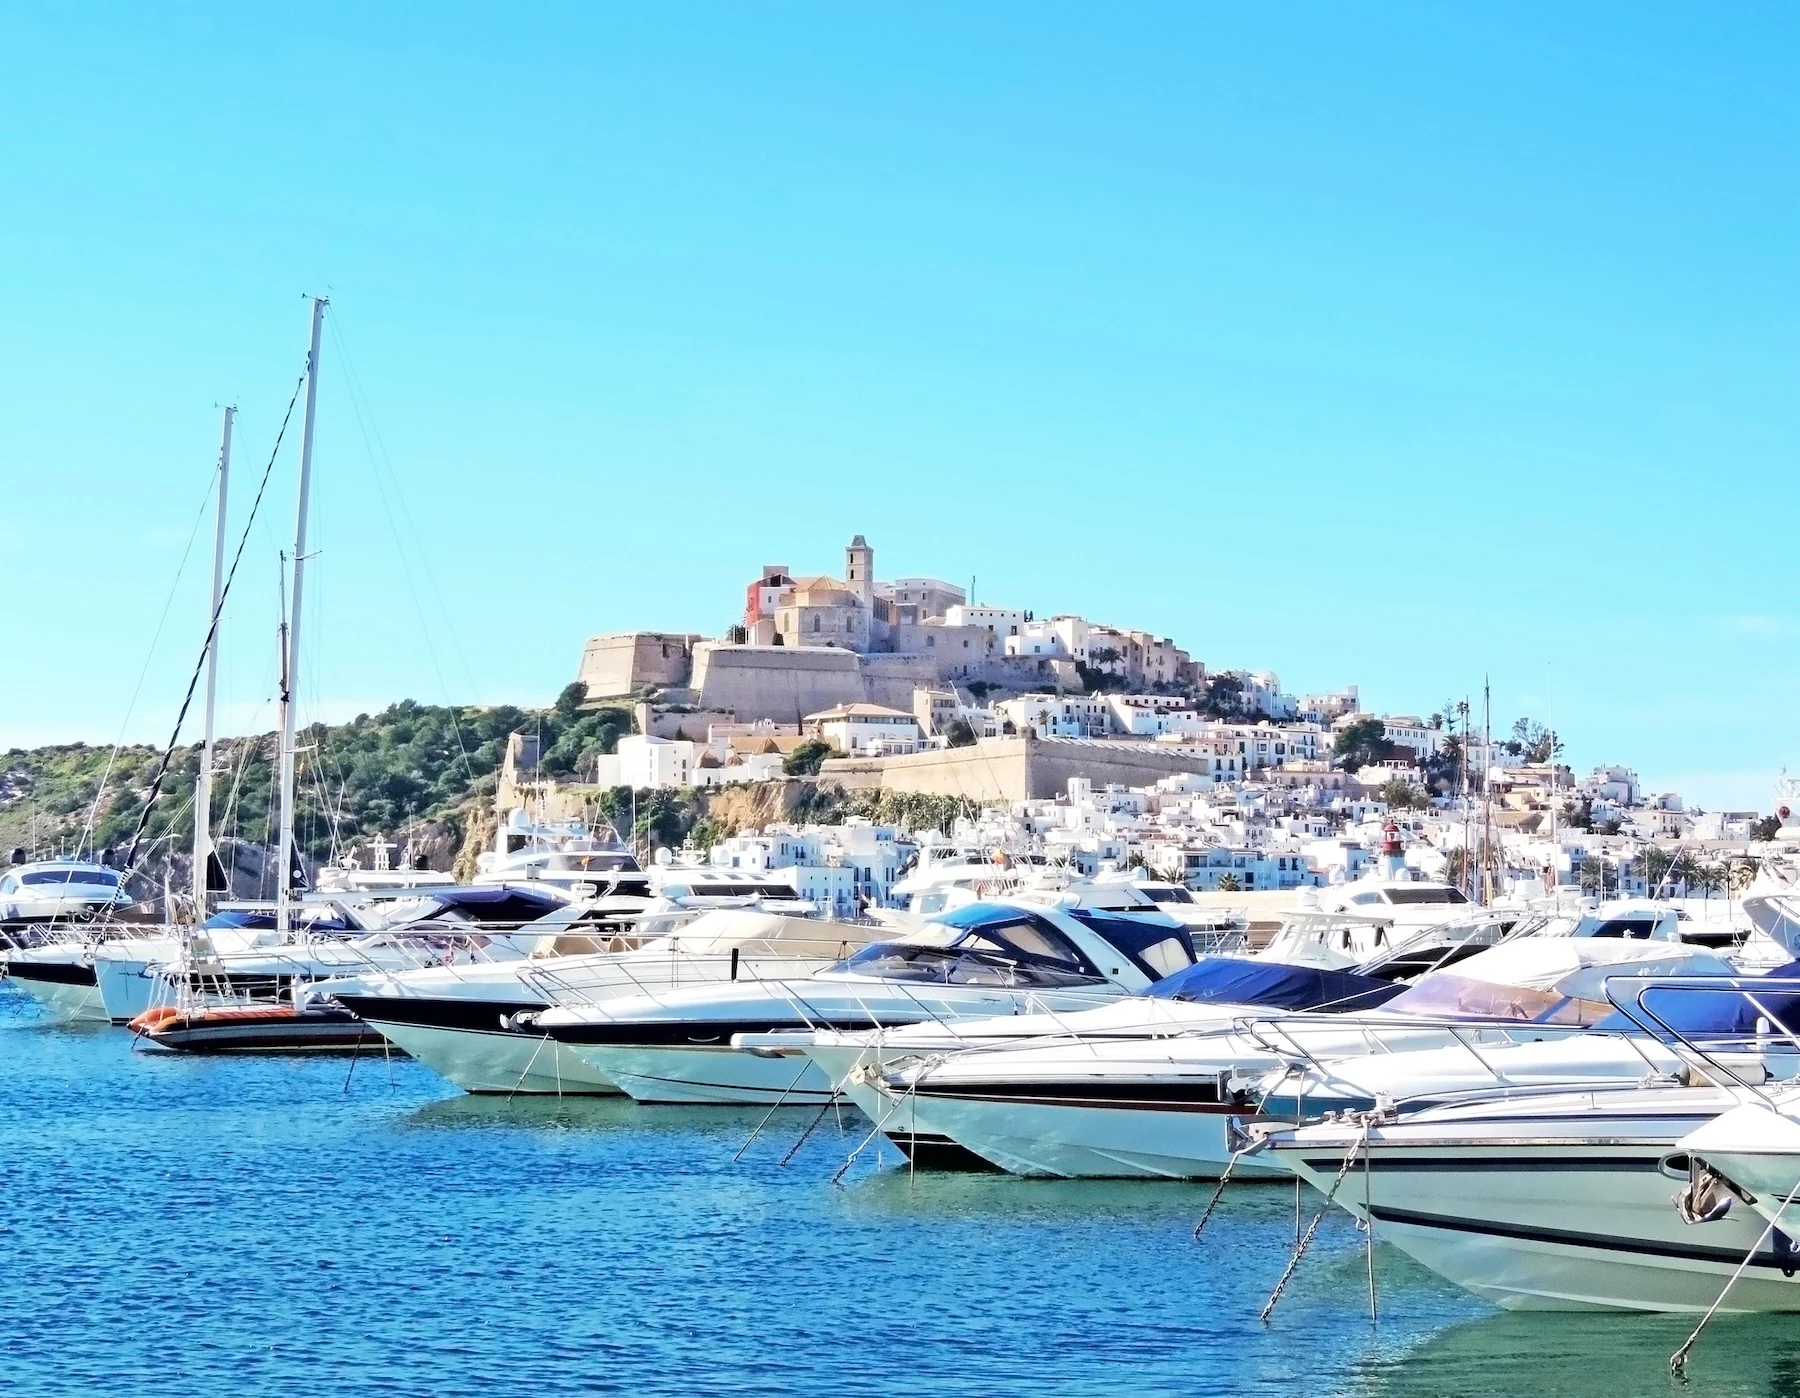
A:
1387, 345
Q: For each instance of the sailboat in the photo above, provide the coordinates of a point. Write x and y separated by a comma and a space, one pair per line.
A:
198, 1021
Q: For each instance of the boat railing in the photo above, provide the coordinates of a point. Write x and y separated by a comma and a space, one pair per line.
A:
596, 980
1702, 1052
203, 975
1322, 1066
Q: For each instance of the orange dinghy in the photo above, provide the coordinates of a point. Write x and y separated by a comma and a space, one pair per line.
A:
254, 1029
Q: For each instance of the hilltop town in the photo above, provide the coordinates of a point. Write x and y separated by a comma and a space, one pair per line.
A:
1105, 746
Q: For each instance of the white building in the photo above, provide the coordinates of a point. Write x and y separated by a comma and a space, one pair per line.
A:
1000, 621
866, 730
643, 762
1252, 870
1058, 715
842, 868
1060, 638
1414, 734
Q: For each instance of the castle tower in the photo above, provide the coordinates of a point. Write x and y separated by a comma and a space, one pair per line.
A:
859, 570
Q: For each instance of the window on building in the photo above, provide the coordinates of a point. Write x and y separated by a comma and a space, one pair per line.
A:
815, 623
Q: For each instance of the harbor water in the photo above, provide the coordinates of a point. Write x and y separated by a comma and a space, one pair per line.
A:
213, 1227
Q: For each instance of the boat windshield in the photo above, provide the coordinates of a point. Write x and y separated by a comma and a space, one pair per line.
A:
980, 945
1442, 995
1158, 947
106, 878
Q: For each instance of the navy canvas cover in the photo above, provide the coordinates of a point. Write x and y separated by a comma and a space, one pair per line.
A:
1721, 1011
1232, 980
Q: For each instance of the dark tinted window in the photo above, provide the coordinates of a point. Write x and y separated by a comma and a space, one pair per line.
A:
1425, 895
103, 877
1156, 947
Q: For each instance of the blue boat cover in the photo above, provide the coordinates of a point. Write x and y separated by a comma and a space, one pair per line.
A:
1232, 980
1720, 1011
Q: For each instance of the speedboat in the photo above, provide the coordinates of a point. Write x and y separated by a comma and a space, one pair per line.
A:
1549, 1201
926, 1085
464, 1021
988, 959
1645, 1197
56, 891
1089, 1103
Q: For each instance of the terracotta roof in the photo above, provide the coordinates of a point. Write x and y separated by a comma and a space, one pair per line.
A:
857, 711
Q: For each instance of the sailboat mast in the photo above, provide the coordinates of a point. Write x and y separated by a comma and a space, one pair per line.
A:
203, 846
291, 658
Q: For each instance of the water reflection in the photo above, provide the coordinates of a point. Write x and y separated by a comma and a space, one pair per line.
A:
1575, 1355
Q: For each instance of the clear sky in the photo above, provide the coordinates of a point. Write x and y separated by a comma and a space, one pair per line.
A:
1370, 344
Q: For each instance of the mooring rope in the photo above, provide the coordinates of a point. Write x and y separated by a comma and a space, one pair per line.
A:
1287, 1275
1678, 1360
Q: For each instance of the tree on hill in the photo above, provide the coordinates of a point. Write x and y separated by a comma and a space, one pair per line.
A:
1766, 829
1362, 743
1223, 698
1402, 795
959, 733
806, 759
1532, 742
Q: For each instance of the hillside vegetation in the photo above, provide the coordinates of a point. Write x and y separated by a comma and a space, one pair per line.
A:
419, 770
407, 766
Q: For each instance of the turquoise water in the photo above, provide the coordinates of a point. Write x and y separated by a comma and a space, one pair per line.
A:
229, 1226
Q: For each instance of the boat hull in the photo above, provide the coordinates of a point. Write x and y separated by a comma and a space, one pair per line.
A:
128, 984
707, 1075
1077, 1133
464, 1039
65, 989
500, 1061
1555, 1220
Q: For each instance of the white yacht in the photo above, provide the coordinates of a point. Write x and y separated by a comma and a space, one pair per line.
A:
997, 958
567, 854
211, 985
1617, 1197
462, 1021
1100, 1100
1614, 1050
1550, 1201
128, 972
56, 891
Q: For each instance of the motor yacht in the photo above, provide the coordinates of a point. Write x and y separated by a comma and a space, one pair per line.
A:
463, 1021
998, 958
1604, 1197
1577, 1038
1048, 1064
1117, 1104
1548, 1201
567, 854
39, 896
